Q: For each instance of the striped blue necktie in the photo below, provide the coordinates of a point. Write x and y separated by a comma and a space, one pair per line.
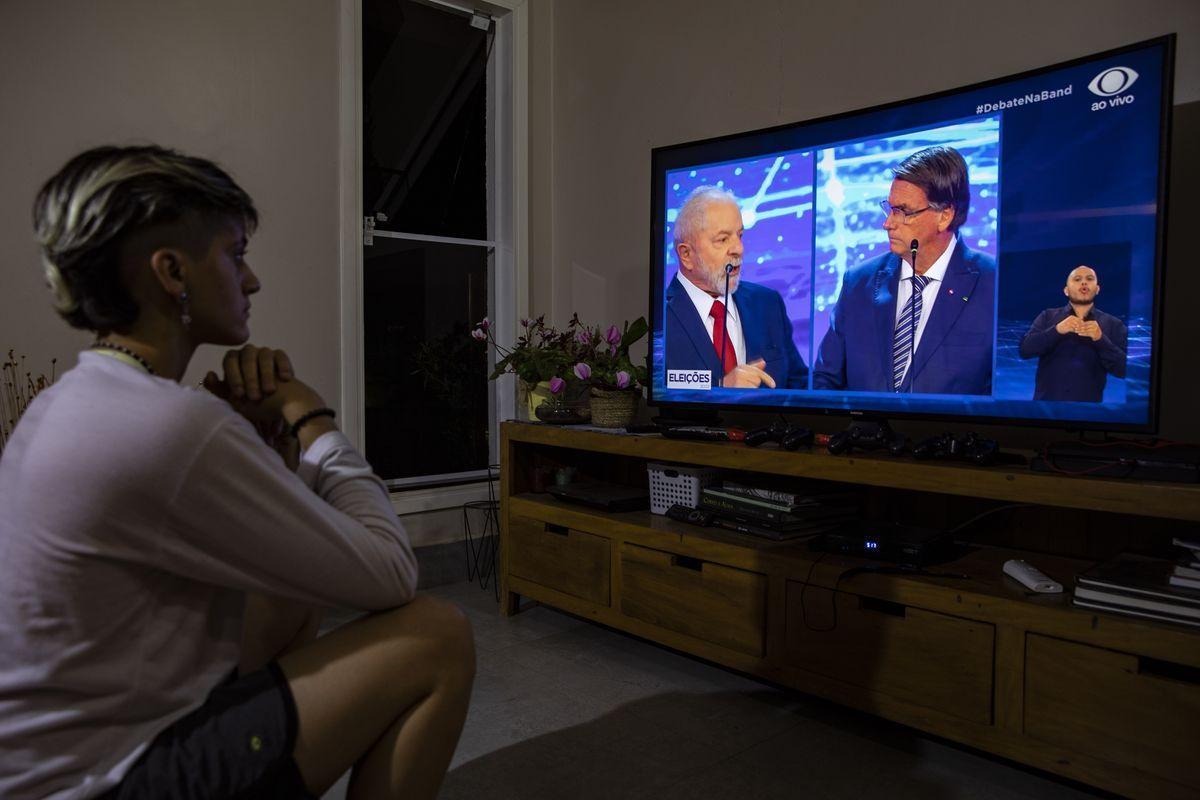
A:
906, 331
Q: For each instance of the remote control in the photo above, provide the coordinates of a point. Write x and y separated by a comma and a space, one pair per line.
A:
1030, 576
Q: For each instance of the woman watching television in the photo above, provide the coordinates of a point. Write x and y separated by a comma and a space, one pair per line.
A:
165, 550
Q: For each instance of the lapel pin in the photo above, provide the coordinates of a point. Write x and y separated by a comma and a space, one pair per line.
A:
964, 298
951, 291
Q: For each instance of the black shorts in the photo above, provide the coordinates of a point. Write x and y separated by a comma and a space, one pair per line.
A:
237, 745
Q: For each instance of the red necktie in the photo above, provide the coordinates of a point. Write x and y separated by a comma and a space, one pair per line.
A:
721, 341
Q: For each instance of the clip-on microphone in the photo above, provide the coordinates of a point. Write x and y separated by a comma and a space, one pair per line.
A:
725, 320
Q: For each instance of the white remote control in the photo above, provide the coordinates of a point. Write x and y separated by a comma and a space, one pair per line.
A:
1030, 576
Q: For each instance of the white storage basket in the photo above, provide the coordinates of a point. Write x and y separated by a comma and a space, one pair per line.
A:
672, 485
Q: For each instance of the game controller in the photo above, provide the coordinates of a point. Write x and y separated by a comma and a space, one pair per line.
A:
788, 437
695, 516
877, 437
949, 447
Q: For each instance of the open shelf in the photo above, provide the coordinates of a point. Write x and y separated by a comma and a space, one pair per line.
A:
1141, 498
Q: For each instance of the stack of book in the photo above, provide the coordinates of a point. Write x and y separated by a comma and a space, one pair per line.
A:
778, 513
1187, 568
1138, 586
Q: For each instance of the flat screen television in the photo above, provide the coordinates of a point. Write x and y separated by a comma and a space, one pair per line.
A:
1010, 187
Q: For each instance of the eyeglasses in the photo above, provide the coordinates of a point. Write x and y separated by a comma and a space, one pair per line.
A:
891, 211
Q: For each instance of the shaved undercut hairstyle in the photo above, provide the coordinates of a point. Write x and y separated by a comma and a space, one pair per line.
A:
90, 209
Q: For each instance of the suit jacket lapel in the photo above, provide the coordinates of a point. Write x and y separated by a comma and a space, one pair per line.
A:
684, 309
953, 296
754, 336
887, 282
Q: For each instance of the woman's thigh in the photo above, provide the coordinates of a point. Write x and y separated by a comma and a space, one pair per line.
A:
353, 683
273, 627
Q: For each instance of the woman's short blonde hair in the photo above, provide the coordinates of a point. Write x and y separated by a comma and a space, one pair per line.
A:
90, 208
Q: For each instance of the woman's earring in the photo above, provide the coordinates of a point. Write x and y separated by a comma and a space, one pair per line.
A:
184, 316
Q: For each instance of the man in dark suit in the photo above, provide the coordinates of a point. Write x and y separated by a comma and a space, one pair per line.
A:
883, 336
1077, 346
745, 345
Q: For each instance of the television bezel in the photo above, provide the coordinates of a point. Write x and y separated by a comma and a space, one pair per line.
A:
657, 222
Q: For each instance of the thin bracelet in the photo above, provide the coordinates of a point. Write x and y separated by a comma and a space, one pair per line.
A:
316, 412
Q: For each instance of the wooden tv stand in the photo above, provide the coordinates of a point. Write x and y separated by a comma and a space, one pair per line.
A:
1100, 698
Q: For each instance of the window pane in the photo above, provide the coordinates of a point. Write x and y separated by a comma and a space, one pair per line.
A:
424, 120
426, 397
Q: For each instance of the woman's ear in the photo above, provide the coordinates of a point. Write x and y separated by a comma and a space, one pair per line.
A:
167, 264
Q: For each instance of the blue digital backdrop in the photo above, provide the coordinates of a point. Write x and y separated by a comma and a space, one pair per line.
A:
1065, 167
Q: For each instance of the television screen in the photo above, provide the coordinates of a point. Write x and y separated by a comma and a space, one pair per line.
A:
991, 252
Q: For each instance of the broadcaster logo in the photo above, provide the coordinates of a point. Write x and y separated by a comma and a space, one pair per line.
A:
1112, 81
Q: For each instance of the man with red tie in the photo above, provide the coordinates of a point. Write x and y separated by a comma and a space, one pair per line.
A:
748, 343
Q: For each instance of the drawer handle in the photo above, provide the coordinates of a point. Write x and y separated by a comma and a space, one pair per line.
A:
561, 530
1168, 669
882, 606
687, 562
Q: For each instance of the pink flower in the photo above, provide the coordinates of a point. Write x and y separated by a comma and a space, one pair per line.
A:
557, 385
485, 324
478, 334
584, 336
525, 323
583, 371
613, 336
622, 379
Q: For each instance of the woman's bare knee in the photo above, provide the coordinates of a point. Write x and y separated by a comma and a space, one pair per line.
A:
446, 631
356, 683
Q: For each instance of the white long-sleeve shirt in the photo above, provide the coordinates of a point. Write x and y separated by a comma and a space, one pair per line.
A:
134, 516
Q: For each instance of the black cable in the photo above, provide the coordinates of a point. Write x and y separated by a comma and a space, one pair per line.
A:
977, 517
1130, 464
805, 587
853, 571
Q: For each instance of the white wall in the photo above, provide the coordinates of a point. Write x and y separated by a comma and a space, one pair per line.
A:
611, 80
250, 84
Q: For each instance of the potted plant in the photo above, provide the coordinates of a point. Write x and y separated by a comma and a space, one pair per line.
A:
542, 358
616, 382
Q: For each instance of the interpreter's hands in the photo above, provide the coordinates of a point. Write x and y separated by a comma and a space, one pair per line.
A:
1070, 324
748, 376
1091, 329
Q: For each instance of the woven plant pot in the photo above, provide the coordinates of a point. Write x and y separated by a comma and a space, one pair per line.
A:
614, 408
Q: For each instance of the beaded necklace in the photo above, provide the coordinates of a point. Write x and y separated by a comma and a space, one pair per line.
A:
117, 348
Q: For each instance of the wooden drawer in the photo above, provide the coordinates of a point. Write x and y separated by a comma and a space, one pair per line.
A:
909, 654
569, 561
702, 599
1137, 712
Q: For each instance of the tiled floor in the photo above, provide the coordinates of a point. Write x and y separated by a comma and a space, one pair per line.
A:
566, 709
